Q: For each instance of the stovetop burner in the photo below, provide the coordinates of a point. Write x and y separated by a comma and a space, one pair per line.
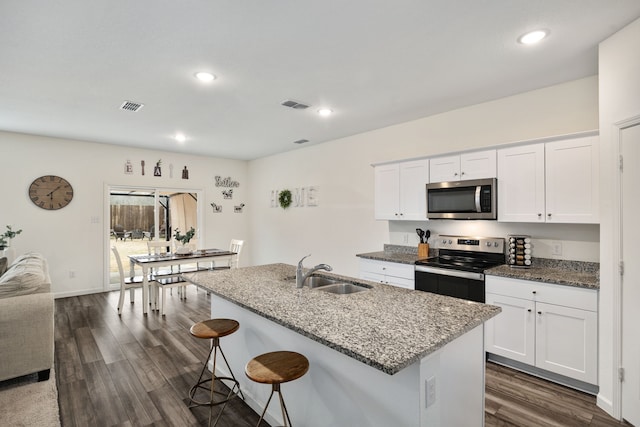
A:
474, 254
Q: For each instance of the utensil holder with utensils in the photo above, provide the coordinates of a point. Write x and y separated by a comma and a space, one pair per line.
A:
423, 250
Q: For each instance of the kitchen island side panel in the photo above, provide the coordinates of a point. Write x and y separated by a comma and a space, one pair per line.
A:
339, 390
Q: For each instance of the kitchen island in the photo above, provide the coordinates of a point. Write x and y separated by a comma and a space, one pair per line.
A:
386, 356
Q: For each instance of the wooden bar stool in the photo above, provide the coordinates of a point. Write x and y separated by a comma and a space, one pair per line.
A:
214, 329
276, 368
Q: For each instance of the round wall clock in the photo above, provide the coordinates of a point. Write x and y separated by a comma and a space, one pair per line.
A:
50, 192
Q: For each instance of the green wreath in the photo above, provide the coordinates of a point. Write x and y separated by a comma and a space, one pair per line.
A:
285, 199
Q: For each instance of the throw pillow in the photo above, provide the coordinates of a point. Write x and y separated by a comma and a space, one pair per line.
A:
24, 276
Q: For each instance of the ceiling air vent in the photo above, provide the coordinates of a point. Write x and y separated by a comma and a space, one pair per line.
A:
131, 106
294, 104
301, 141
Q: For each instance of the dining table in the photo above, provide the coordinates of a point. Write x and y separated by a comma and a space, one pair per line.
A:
155, 261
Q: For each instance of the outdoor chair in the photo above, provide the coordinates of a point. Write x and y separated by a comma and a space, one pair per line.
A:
120, 233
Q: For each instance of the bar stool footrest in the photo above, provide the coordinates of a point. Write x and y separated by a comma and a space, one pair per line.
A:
234, 391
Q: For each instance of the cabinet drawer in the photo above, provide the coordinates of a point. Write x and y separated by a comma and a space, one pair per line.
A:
394, 269
373, 277
568, 296
401, 282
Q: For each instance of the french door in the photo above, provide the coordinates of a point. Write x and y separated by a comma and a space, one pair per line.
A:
140, 214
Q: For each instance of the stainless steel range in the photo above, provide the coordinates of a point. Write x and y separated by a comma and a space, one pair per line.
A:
458, 271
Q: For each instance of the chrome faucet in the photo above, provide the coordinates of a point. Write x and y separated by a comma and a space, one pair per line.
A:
301, 277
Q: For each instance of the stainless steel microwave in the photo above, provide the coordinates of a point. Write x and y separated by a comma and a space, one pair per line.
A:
472, 199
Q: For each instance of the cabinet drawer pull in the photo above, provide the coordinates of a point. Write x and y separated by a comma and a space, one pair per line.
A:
534, 292
540, 312
529, 310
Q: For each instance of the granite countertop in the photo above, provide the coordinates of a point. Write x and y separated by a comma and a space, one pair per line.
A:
396, 253
401, 258
387, 328
569, 273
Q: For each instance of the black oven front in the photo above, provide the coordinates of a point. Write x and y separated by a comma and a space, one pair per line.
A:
454, 283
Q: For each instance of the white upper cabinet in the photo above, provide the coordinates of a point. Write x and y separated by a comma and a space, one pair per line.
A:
475, 165
400, 190
549, 182
442, 169
521, 184
571, 171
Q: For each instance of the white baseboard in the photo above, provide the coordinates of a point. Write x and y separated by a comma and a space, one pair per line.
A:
76, 293
605, 404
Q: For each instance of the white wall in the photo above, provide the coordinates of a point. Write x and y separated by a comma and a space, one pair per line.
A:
619, 66
68, 237
343, 225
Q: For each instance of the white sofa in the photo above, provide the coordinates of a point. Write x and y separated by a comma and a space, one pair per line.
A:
26, 318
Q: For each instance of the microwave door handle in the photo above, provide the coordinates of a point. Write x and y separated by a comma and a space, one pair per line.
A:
478, 207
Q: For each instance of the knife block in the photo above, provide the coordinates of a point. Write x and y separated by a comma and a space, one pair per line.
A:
423, 250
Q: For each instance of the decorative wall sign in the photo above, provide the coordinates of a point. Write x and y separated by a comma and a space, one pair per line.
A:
226, 182
298, 197
312, 196
142, 164
156, 170
128, 167
227, 194
284, 199
216, 208
238, 208
185, 173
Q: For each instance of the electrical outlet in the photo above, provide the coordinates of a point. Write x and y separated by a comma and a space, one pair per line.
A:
406, 238
556, 248
430, 391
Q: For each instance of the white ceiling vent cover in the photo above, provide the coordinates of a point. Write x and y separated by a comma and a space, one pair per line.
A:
131, 106
294, 104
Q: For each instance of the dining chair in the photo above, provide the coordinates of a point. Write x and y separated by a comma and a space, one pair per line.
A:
232, 262
235, 246
161, 247
126, 282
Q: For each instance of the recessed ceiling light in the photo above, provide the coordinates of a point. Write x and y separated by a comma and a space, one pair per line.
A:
203, 76
324, 112
533, 37
180, 137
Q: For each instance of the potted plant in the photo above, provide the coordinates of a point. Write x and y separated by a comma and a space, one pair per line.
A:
5, 239
184, 239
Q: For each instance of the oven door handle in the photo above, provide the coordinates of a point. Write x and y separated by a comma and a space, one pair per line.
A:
447, 272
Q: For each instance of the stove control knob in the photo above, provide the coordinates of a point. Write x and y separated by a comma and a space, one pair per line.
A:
488, 243
450, 242
495, 244
444, 241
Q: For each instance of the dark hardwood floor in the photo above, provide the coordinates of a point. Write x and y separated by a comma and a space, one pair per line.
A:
136, 370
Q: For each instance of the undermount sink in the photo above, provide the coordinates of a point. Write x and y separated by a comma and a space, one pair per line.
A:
342, 288
333, 286
318, 281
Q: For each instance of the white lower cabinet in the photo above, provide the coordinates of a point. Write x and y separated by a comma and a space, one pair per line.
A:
389, 273
552, 327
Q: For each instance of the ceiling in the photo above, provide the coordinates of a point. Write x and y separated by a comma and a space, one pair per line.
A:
67, 66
